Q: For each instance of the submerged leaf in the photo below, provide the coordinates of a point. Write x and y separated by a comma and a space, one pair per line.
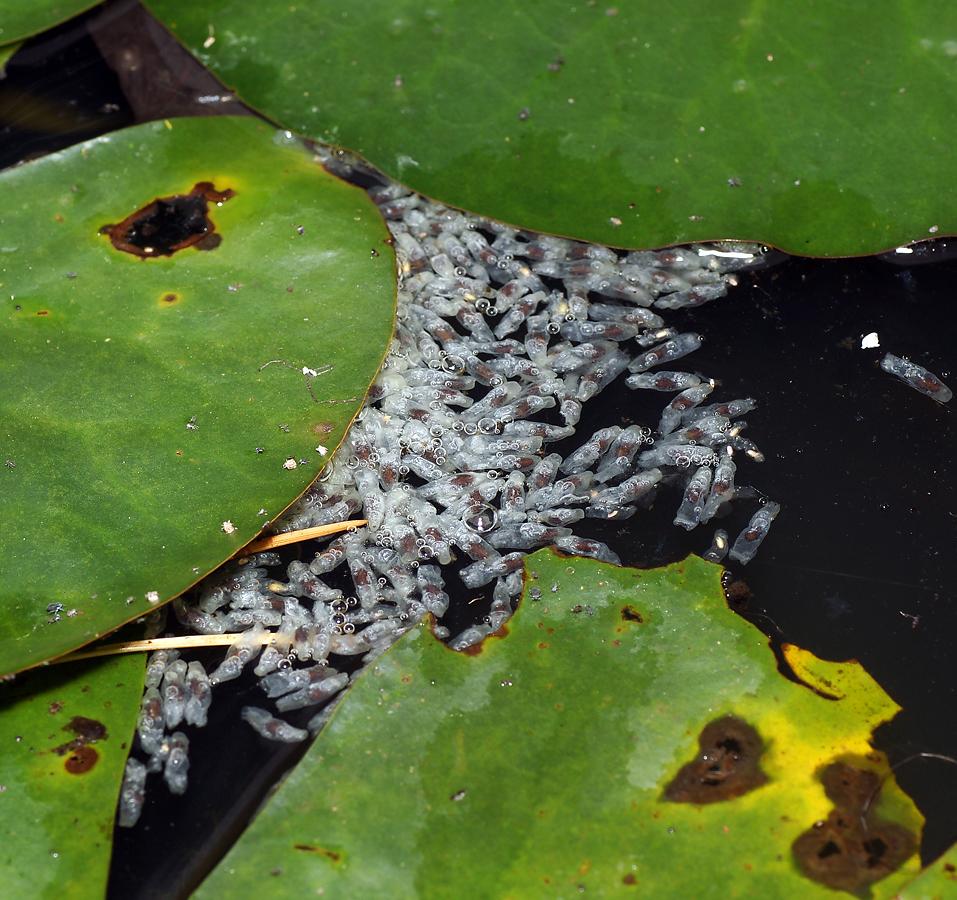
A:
553, 758
823, 130
191, 309
65, 733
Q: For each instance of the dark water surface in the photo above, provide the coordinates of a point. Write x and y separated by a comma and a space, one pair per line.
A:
859, 563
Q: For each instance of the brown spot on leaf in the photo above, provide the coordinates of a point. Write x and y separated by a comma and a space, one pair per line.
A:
81, 760
54, 707
311, 848
323, 428
849, 786
209, 242
630, 614
629, 879
87, 731
738, 595
170, 297
170, 224
43, 312
849, 851
476, 649
726, 766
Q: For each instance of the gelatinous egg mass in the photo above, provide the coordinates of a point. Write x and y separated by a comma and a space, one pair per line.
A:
170, 224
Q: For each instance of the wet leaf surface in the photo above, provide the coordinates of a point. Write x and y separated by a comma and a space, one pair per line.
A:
65, 732
20, 20
626, 125
157, 412
542, 762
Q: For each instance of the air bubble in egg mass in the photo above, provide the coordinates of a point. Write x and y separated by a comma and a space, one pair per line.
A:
483, 521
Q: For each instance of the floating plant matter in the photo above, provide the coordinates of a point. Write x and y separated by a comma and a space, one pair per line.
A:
501, 337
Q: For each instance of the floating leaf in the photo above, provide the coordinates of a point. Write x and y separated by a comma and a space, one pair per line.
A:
65, 734
824, 131
19, 20
551, 758
5, 53
161, 405
937, 882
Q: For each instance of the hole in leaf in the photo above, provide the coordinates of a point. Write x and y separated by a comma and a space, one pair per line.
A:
170, 224
829, 849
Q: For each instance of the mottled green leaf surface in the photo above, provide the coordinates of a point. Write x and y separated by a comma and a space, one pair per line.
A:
23, 18
837, 119
136, 416
538, 764
58, 802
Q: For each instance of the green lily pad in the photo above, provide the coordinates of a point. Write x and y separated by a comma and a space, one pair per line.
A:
6, 52
20, 20
555, 758
65, 734
937, 882
823, 131
156, 411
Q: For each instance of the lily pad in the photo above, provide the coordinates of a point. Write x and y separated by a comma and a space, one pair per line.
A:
937, 882
631, 126
158, 410
21, 20
65, 733
6, 52
555, 758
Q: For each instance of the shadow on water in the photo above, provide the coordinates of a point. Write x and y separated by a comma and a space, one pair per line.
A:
859, 564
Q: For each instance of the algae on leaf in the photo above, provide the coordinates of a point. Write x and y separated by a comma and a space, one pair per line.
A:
65, 732
191, 309
551, 759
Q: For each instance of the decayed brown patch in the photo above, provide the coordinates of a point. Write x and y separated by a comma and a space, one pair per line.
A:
726, 767
167, 225
852, 848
